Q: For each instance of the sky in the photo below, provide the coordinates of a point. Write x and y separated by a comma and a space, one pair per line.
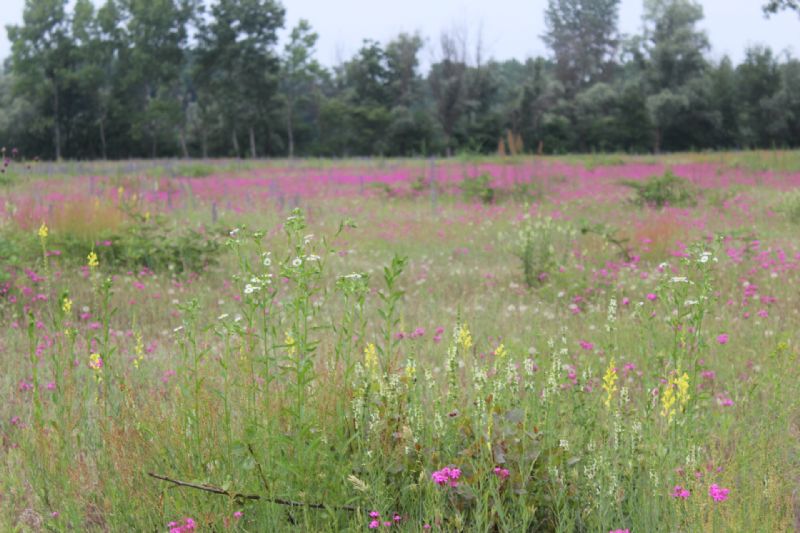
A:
510, 28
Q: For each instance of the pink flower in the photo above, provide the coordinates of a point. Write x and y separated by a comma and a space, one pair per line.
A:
652, 296
620, 531
446, 476
238, 514
502, 473
374, 524
397, 517
586, 345
374, 514
626, 301
717, 493
722, 338
680, 492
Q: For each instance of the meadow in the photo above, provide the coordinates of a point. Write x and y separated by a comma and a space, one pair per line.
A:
602, 343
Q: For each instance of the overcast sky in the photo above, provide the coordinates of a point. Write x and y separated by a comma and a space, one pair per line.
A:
510, 28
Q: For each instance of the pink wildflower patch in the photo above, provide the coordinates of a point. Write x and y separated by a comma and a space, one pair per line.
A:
446, 476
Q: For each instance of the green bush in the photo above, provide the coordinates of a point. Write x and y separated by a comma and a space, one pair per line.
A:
151, 244
667, 189
478, 188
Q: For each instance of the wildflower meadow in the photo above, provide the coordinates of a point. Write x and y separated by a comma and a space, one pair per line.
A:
555, 344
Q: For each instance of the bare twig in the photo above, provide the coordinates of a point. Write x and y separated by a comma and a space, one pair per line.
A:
238, 496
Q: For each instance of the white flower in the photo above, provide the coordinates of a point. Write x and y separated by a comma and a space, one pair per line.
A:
223, 316
267, 259
296, 262
176, 330
307, 238
250, 289
680, 279
234, 232
312, 257
687, 303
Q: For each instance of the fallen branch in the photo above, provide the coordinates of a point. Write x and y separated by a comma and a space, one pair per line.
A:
238, 496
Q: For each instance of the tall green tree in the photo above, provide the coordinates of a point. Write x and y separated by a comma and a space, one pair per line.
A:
41, 57
300, 72
582, 35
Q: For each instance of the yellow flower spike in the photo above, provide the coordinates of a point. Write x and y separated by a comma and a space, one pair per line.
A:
682, 383
610, 382
92, 260
66, 305
43, 231
500, 352
290, 344
371, 359
465, 337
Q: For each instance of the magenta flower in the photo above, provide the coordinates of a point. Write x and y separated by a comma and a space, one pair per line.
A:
502, 473
722, 338
652, 296
717, 493
586, 345
620, 531
680, 492
238, 514
374, 524
446, 476
374, 514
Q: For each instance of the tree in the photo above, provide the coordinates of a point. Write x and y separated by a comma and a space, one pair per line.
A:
773, 6
300, 71
238, 65
676, 61
41, 49
582, 35
447, 83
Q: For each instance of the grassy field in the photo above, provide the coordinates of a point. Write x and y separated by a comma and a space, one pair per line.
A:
588, 344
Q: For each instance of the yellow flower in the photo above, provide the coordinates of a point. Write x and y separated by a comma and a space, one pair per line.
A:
92, 258
371, 359
670, 397
682, 383
43, 231
120, 193
138, 350
464, 337
610, 382
410, 370
500, 352
290, 344
95, 361
66, 305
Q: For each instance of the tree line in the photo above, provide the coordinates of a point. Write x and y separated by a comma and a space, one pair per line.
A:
180, 78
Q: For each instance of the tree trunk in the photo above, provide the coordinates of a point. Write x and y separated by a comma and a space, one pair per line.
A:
204, 143
184, 150
252, 142
56, 121
103, 138
289, 132
657, 141
235, 144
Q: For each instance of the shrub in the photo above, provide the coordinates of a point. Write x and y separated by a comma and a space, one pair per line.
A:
478, 188
667, 189
790, 206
